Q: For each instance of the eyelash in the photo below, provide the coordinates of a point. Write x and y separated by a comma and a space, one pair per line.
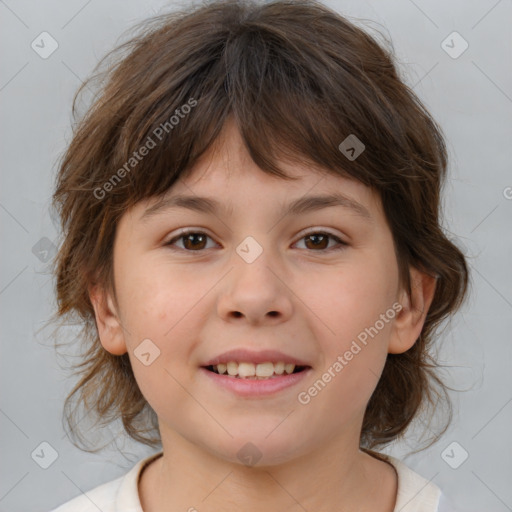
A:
341, 244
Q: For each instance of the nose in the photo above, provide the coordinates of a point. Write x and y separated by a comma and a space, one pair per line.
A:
256, 292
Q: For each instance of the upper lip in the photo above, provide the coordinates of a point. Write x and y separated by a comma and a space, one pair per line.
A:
249, 356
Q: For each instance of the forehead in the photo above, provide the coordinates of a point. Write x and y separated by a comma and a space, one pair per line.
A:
227, 173
225, 181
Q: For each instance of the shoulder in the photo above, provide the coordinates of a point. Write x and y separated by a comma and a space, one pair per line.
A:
415, 493
101, 498
445, 505
119, 494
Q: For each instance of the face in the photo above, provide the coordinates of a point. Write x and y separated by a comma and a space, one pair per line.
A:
319, 285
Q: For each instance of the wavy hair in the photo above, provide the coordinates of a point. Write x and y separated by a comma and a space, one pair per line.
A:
297, 78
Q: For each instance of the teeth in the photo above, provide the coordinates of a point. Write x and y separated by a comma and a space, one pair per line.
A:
232, 368
265, 369
250, 370
279, 368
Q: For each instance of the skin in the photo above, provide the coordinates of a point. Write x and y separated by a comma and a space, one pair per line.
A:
195, 305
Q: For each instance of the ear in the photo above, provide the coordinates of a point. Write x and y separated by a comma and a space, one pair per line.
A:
107, 321
411, 318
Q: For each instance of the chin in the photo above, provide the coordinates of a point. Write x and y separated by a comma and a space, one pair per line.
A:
258, 450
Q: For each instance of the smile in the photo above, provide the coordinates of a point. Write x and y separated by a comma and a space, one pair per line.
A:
254, 386
260, 371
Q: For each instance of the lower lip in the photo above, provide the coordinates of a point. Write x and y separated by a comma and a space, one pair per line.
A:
255, 387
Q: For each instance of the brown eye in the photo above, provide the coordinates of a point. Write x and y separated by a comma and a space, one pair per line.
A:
193, 241
319, 241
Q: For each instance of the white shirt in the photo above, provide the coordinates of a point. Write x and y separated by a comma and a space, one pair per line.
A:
415, 493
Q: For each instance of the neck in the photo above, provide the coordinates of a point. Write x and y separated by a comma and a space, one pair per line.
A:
336, 476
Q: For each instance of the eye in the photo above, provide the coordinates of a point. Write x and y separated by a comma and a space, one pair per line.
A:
194, 241
319, 240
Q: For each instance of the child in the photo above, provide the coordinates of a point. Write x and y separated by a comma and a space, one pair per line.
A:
269, 362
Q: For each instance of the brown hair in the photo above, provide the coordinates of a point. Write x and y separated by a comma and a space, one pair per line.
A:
298, 79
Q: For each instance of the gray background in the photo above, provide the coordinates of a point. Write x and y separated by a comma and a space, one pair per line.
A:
470, 96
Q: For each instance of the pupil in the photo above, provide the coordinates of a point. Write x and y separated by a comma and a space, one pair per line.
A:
315, 237
190, 237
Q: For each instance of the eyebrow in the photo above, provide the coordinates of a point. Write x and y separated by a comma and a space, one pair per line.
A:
299, 206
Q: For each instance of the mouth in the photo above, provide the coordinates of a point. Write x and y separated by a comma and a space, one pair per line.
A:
255, 381
251, 371
255, 374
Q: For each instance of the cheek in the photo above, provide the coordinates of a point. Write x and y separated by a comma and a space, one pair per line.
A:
351, 303
159, 306
164, 305
152, 294
355, 296
356, 340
